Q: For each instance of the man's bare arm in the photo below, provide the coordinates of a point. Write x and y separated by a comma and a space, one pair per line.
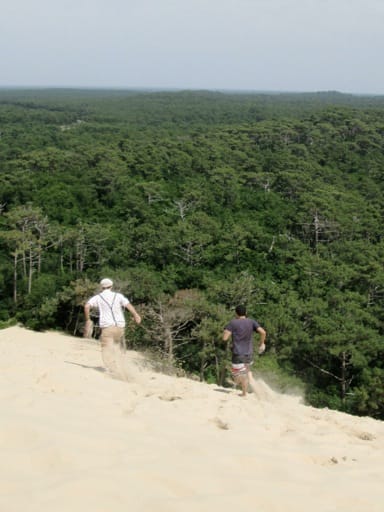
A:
263, 336
88, 327
134, 313
226, 335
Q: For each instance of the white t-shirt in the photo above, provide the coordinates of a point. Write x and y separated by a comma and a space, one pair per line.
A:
111, 308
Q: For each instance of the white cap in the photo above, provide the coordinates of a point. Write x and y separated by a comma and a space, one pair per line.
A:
261, 349
106, 283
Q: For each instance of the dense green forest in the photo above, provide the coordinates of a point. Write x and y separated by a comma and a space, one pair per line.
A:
193, 202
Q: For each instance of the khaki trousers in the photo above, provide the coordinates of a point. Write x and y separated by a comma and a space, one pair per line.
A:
112, 347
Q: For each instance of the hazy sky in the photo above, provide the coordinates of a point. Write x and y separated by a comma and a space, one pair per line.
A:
290, 45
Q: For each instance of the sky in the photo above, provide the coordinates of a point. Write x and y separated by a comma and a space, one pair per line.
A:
252, 45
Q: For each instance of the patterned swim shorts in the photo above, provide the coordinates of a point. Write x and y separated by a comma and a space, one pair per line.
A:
239, 369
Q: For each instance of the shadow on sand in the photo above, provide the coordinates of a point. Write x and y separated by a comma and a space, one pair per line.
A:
97, 368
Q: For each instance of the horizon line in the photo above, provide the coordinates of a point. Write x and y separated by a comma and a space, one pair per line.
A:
183, 89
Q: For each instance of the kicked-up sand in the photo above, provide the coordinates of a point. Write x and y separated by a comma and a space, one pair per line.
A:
73, 438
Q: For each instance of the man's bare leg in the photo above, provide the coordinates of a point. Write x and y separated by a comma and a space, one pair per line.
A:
251, 380
243, 381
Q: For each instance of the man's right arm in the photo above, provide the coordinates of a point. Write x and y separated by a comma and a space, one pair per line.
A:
87, 310
226, 334
88, 327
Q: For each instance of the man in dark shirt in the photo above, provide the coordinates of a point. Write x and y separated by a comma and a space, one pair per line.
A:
241, 329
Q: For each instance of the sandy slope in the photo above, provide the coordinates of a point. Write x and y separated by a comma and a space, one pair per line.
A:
72, 439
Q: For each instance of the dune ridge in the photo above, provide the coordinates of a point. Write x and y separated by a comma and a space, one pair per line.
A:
73, 438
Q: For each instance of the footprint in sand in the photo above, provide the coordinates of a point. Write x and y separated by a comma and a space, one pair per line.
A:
169, 398
223, 425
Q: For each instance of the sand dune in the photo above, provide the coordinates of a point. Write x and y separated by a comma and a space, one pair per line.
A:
73, 438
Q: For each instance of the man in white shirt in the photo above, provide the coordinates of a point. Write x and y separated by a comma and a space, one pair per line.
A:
111, 306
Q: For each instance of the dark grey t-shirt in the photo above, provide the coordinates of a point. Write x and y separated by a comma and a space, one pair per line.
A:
242, 330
